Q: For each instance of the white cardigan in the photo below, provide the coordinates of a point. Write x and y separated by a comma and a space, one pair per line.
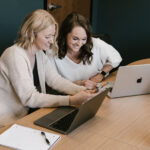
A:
17, 88
103, 54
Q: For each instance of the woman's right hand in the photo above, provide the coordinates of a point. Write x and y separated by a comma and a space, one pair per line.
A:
80, 98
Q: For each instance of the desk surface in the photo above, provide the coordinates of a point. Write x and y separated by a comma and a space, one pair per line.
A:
120, 124
142, 61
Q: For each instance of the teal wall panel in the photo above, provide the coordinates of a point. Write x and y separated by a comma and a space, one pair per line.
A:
12, 13
127, 23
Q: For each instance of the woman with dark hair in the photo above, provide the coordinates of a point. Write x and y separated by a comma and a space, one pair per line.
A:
81, 58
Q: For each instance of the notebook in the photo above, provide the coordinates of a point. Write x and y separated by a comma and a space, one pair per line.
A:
67, 118
23, 138
131, 80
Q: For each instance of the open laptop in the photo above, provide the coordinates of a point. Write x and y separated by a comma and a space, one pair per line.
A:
66, 118
131, 80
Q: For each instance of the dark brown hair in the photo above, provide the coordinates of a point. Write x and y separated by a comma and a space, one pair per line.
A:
71, 21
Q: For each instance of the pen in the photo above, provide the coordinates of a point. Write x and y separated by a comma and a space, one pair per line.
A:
47, 141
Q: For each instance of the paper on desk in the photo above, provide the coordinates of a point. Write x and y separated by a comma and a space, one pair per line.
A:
103, 86
24, 138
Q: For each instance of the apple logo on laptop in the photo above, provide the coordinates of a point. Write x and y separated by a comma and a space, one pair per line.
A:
139, 80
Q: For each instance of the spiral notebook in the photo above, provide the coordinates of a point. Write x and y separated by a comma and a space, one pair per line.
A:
23, 138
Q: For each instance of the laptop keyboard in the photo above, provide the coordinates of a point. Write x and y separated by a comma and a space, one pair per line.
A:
64, 123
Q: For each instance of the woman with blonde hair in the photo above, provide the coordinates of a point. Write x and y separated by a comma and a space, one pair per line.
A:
25, 69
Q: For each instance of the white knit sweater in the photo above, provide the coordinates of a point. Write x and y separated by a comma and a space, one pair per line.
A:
103, 54
17, 90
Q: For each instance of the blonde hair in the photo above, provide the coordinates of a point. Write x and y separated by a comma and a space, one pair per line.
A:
35, 22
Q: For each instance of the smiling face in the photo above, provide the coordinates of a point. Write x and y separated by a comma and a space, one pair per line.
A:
76, 39
45, 38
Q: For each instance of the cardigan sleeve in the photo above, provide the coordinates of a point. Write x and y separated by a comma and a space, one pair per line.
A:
17, 69
107, 53
59, 83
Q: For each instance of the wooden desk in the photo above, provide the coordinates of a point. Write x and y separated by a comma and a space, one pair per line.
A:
120, 124
142, 61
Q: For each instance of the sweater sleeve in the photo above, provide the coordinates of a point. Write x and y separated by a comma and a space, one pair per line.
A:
107, 53
17, 68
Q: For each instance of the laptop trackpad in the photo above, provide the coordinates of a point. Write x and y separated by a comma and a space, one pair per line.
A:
55, 115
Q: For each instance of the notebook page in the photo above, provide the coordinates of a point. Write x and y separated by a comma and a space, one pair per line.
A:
24, 138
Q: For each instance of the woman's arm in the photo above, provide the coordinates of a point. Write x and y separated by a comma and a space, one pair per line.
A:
101, 75
107, 58
89, 84
55, 81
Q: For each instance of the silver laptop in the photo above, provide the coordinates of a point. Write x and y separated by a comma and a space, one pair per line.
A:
131, 80
67, 118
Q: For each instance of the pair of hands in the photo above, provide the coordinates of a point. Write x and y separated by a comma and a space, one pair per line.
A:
84, 96
92, 82
91, 85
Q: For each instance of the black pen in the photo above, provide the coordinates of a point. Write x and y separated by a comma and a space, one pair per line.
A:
47, 141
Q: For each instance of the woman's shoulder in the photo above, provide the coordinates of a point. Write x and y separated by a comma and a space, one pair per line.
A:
13, 51
13, 56
98, 42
